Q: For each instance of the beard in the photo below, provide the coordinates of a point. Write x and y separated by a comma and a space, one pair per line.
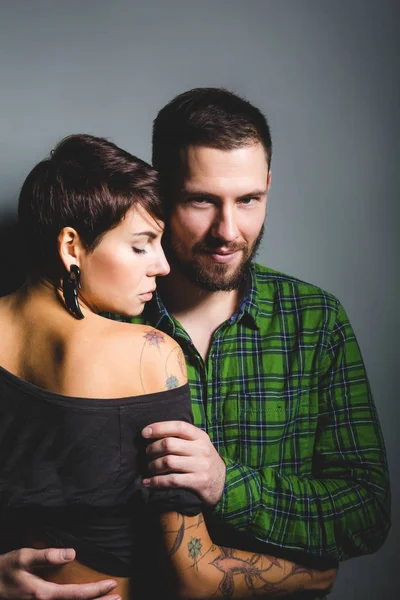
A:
212, 276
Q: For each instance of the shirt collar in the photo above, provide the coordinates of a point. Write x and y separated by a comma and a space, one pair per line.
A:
247, 311
156, 312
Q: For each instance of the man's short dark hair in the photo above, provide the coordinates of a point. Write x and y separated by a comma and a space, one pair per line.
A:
87, 183
212, 117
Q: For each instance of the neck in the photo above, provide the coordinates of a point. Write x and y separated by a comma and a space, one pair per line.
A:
199, 311
184, 297
45, 293
36, 291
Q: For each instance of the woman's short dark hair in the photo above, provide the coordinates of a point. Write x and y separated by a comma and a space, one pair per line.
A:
212, 117
87, 183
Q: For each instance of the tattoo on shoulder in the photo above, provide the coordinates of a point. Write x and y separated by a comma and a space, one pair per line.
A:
172, 382
181, 362
154, 338
151, 338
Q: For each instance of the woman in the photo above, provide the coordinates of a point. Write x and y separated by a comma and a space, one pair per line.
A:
76, 389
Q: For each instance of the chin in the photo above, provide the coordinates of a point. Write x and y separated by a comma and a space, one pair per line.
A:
126, 312
133, 312
138, 311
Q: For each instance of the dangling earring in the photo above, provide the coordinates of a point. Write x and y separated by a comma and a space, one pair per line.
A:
70, 286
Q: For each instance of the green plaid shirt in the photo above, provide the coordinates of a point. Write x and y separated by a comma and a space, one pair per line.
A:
285, 400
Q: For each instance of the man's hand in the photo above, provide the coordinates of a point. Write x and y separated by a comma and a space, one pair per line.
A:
183, 456
19, 582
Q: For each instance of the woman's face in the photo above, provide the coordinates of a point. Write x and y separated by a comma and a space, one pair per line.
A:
119, 275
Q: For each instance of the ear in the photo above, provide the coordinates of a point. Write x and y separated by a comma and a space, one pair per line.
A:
69, 247
269, 179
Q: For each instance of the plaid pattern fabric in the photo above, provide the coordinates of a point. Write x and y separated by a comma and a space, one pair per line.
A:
285, 400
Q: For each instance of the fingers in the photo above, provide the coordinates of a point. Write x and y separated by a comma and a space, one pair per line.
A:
173, 480
82, 591
179, 429
169, 445
184, 456
30, 558
18, 579
178, 464
202, 471
112, 597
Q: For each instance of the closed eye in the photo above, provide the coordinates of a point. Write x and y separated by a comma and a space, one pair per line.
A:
138, 250
200, 200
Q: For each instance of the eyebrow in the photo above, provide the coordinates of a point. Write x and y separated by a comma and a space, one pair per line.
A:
191, 194
149, 234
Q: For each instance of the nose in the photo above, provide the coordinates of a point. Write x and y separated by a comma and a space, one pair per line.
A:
225, 226
161, 265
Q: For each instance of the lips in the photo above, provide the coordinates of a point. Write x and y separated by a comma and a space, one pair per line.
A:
147, 295
223, 257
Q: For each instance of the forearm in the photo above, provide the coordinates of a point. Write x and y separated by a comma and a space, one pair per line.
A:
329, 516
204, 569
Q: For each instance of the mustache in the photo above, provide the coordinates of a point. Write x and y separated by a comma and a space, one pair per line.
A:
210, 246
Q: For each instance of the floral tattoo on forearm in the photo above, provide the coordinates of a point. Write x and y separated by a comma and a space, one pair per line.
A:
252, 570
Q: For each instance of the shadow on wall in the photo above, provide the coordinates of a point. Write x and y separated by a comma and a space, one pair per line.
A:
12, 268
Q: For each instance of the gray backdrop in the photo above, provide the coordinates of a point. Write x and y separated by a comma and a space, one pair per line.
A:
325, 73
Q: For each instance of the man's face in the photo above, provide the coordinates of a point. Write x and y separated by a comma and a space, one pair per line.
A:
217, 221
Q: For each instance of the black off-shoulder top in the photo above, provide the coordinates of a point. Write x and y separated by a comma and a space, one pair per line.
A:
71, 470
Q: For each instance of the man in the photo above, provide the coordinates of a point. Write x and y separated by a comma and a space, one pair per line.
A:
287, 451
277, 378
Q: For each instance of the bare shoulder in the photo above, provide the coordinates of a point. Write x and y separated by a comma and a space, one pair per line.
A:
5, 303
145, 355
124, 336
9, 340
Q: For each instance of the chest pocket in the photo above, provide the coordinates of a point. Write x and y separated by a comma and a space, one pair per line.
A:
272, 430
